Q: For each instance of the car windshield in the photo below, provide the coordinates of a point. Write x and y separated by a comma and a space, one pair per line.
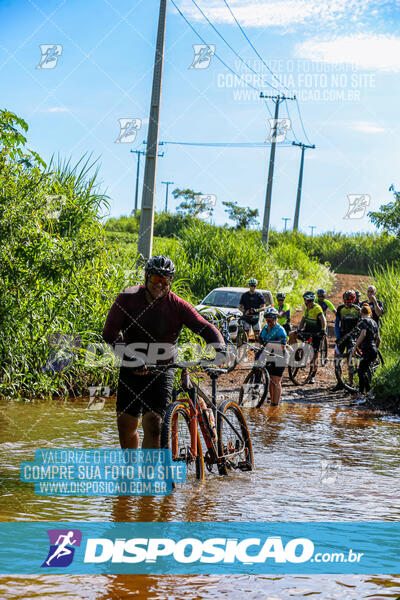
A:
222, 298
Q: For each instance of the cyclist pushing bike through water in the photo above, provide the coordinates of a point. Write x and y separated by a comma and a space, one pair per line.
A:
149, 318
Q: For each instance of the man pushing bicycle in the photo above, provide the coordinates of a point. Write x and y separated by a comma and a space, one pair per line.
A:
147, 320
313, 323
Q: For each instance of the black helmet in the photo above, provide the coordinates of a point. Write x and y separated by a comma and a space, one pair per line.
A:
160, 265
321, 292
309, 296
280, 296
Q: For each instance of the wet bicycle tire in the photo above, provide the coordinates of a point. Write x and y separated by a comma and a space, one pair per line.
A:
229, 442
300, 375
178, 439
257, 376
241, 338
349, 385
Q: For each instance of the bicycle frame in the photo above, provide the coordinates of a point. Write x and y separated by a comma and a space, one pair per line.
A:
198, 417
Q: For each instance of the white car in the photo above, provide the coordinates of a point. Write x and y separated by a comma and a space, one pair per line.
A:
226, 300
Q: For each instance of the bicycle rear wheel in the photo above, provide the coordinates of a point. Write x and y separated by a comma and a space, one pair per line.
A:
254, 390
175, 434
300, 368
234, 441
346, 372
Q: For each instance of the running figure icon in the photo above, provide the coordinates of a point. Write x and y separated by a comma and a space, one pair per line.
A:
62, 542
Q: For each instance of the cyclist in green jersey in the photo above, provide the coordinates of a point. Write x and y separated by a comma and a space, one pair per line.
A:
283, 309
347, 319
313, 323
324, 303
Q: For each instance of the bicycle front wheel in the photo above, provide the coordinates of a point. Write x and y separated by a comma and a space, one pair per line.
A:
176, 435
254, 389
300, 368
234, 441
324, 351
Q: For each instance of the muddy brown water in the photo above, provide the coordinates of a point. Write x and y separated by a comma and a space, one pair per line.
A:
291, 446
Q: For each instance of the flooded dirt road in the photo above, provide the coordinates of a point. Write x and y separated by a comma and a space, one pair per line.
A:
314, 462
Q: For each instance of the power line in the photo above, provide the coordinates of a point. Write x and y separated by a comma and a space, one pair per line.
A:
229, 45
216, 55
272, 73
226, 144
254, 48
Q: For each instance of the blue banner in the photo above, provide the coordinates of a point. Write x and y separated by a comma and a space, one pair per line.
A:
103, 472
193, 548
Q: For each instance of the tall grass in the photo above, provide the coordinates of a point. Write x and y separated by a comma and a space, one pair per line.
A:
346, 253
207, 257
386, 383
356, 253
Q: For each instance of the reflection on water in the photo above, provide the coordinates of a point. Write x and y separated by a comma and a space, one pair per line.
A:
313, 463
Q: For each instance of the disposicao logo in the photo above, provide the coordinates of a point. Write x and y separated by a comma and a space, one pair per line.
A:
190, 550
62, 542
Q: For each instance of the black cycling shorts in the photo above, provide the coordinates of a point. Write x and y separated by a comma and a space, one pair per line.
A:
273, 370
316, 339
139, 394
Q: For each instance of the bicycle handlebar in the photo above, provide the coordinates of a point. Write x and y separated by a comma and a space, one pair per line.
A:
199, 363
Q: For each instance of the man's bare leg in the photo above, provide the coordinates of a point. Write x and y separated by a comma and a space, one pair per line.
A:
128, 431
151, 430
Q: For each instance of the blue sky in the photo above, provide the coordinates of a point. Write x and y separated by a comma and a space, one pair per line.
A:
341, 58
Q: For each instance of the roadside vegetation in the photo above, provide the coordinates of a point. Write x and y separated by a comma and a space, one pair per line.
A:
357, 253
386, 383
60, 269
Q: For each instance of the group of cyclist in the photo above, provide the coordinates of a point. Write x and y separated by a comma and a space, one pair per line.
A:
356, 328
151, 314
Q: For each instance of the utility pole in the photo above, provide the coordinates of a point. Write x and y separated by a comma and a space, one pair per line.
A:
312, 227
267, 211
298, 201
167, 183
286, 219
138, 153
145, 243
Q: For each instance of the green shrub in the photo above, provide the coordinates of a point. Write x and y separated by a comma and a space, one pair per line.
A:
386, 382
